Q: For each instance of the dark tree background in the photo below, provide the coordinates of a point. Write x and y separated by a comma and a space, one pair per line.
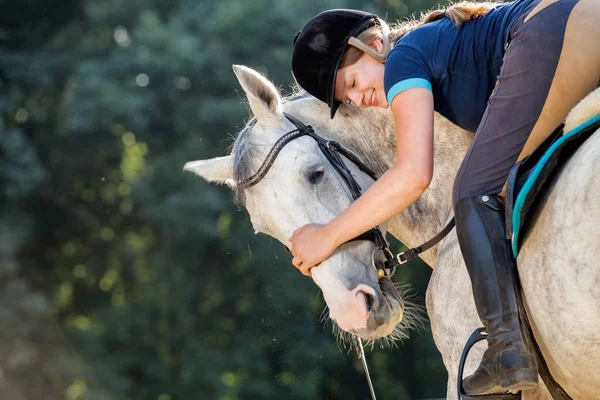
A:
121, 277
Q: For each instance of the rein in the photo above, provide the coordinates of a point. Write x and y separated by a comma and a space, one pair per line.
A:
333, 151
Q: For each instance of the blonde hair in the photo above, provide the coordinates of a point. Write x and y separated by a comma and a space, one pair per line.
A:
457, 13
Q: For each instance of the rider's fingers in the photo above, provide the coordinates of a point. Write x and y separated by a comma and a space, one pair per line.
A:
305, 269
297, 262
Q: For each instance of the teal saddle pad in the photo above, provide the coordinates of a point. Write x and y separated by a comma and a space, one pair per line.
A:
527, 179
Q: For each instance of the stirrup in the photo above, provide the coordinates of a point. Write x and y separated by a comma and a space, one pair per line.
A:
475, 337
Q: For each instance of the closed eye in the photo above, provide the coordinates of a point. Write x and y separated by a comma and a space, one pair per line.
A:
352, 85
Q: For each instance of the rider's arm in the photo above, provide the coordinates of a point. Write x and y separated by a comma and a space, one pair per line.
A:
406, 180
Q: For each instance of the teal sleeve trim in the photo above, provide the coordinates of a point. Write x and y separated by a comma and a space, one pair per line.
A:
407, 84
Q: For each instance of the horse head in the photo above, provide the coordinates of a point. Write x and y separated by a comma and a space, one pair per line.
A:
302, 187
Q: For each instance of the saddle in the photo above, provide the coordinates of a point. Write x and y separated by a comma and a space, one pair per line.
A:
529, 179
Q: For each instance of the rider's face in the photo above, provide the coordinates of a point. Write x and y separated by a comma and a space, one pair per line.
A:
362, 82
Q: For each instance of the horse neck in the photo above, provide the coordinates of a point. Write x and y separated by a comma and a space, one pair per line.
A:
371, 134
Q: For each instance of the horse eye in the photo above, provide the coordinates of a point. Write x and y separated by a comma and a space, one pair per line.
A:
316, 175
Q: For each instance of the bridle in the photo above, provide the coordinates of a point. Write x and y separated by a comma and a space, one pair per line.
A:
333, 151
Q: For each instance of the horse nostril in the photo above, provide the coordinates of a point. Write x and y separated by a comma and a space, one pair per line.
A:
369, 300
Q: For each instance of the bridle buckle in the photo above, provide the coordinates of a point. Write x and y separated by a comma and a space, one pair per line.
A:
399, 258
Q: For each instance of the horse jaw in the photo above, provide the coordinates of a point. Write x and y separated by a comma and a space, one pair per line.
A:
216, 170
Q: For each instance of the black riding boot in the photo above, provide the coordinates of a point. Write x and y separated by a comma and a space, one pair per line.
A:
509, 363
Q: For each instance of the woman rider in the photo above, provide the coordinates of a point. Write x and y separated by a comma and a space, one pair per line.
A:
509, 73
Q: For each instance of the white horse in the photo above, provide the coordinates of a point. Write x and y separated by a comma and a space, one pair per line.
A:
558, 260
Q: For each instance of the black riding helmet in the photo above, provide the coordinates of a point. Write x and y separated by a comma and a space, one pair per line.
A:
319, 47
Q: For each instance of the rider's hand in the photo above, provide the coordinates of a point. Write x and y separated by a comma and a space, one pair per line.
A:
311, 244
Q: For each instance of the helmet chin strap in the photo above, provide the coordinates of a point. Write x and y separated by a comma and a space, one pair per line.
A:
381, 57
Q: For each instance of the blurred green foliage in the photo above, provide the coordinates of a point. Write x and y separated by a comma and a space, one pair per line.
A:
152, 278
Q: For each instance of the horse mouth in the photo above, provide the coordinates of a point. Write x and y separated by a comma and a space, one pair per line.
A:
389, 290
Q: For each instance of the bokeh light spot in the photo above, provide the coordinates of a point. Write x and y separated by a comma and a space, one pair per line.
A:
182, 82
121, 36
79, 271
142, 80
107, 234
22, 115
76, 390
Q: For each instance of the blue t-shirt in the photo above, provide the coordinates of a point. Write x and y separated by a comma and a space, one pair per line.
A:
459, 65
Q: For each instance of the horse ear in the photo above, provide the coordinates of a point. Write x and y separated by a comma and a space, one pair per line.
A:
265, 100
218, 170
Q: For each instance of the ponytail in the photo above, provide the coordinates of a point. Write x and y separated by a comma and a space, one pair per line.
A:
457, 13
461, 12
